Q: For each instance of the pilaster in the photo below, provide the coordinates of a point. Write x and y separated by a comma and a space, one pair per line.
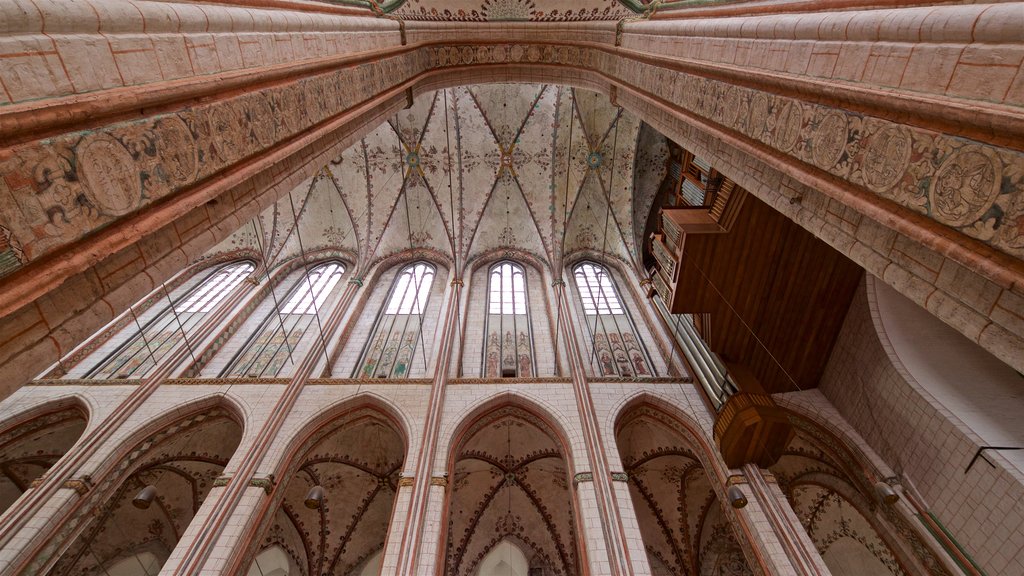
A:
422, 516
603, 510
773, 529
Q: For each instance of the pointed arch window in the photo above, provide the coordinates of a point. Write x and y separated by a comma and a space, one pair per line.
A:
174, 321
615, 346
508, 348
273, 344
397, 333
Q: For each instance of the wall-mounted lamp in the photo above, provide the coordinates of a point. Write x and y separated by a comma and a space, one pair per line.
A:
145, 497
886, 493
315, 498
736, 497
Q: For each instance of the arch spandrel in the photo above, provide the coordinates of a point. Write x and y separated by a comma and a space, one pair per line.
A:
33, 440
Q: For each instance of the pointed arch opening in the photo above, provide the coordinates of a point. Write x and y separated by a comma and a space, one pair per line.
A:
139, 509
398, 330
356, 459
615, 346
684, 526
504, 559
829, 489
149, 337
510, 481
508, 352
291, 325
30, 447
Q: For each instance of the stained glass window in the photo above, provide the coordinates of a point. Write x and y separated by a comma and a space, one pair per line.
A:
269, 349
172, 322
615, 347
397, 333
508, 348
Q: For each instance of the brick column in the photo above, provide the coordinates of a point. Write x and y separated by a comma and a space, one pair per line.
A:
616, 561
424, 512
773, 529
213, 542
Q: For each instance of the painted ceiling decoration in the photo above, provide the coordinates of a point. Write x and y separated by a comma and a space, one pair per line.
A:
833, 498
684, 528
357, 462
514, 10
510, 483
465, 171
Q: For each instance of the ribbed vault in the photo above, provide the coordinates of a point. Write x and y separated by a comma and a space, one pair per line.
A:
464, 171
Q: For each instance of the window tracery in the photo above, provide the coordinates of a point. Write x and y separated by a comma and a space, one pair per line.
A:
280, 333
397, 333
509, 339
614, 342
175, 321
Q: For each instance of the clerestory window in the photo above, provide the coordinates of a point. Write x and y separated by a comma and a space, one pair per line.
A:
274, 343
176, 320
508, 348
397, 334
615, 347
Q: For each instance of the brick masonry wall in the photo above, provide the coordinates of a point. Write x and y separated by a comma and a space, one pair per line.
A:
53, 326
926, 443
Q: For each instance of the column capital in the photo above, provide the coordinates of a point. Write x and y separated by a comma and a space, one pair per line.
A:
557, 283
457, 282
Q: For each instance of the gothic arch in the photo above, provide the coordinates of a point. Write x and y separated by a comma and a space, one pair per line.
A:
694, 534
73, 363
537, 270
33, 440
181, 453
686, 424
456, 426
356, 450
351, 340
382, 354
614, 341
261, 322
829, 482
503, 485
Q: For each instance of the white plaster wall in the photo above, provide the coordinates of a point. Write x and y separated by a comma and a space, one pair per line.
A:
927, 444
983, 393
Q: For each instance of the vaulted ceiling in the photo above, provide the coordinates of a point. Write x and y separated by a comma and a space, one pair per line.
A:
464, 171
